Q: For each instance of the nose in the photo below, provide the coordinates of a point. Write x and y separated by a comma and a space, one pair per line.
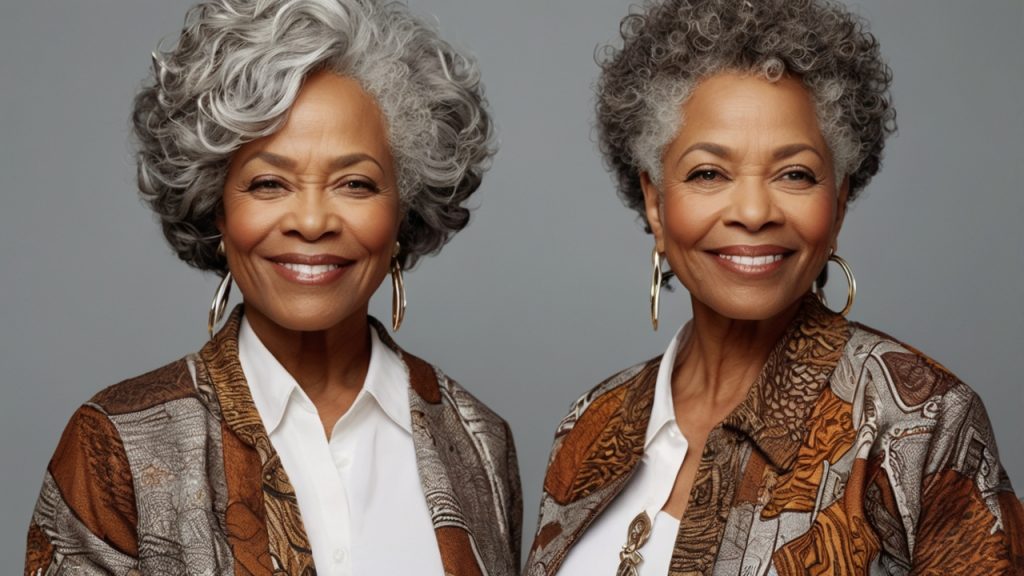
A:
311, 216
752, 205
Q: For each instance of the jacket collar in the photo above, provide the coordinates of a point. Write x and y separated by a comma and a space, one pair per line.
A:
606, 443
775, 412
220, 372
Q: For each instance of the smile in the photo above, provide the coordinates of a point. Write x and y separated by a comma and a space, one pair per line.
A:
752, 261
310, 271
315, 270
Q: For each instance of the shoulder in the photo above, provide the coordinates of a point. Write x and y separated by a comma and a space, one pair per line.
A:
171, 382
452, 393
610, 394
921, 410
900, 374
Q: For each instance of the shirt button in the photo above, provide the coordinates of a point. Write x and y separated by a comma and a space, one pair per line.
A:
339, 555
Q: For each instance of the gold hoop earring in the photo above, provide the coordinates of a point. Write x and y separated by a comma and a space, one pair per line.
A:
851, 284
656, 277
398, 301
219, 304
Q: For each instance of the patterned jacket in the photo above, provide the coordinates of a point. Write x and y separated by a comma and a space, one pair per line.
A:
851, 454
173, 473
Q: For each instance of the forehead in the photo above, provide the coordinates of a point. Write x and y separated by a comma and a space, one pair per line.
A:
738, 106
331, 114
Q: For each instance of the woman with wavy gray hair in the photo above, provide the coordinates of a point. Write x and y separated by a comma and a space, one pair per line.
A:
773, 436
301, 149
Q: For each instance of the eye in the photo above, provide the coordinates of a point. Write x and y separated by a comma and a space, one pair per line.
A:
359, 186
795, 175
799, 177
265, 185
704, 175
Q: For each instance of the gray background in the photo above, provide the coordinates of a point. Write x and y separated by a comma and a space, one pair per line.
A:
545, 293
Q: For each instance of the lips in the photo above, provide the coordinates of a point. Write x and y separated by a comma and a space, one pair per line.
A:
751, 261
312, 269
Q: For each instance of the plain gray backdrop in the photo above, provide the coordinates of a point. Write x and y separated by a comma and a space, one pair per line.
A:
545, 293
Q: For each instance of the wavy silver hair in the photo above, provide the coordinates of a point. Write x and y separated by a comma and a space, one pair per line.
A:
670, 45
236, 70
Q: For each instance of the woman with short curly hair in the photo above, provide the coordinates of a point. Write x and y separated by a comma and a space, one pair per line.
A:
302, 150
773, 436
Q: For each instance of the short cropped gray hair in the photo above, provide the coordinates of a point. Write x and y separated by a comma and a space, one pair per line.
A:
236, 70
670, 45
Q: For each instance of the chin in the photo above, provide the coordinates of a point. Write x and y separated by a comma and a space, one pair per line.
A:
752, 305
302, 317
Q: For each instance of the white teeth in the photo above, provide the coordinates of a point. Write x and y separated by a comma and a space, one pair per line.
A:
310, 270
752, 261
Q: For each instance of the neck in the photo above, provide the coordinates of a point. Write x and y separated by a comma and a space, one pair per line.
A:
325, 363
721, 358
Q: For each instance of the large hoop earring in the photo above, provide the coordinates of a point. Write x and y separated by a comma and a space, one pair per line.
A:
398, 301
656, 277
851, 284
219, 304
220, 298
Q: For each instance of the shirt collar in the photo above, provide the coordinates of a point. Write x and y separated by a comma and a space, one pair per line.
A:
272, 386
663, 411
387, 380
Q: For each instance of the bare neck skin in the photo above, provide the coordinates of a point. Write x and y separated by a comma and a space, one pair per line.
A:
722, 357
715, 368
329, 365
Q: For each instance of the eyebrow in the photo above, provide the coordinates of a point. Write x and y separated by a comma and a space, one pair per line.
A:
778, 154
344, 161
794, 149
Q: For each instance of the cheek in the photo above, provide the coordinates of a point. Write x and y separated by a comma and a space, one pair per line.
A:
374, 225
687, 219
246, 222
814, 218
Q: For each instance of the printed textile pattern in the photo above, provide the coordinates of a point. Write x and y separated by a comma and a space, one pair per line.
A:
173, 473
851, 454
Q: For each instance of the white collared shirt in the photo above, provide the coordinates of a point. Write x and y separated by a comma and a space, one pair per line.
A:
596, 553
359, 492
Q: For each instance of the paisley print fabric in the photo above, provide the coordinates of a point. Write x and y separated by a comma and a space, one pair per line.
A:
851, 454
173, 473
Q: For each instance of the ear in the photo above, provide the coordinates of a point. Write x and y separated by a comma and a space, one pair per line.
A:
652, 209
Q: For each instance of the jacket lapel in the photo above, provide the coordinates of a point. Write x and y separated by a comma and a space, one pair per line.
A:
439, 440
596, 453
264, 526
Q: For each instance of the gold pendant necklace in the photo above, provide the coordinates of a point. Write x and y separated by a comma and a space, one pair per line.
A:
636, 536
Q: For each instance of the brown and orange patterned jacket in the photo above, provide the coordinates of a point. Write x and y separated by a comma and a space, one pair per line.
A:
851, 454
173, 473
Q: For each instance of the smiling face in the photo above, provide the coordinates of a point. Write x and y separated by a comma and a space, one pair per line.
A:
748, 207
311, 212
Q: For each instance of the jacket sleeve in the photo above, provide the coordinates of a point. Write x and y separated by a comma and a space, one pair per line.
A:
514, 506
86, 517
970, 520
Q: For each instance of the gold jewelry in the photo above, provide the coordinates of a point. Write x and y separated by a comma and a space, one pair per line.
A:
636, 536
851, 284
656, 277
398, 301
219, 304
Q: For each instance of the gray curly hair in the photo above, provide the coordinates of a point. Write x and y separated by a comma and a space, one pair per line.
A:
235, 72
670, 45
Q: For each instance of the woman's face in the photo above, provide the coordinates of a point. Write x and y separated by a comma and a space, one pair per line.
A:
748, 208
311, 213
